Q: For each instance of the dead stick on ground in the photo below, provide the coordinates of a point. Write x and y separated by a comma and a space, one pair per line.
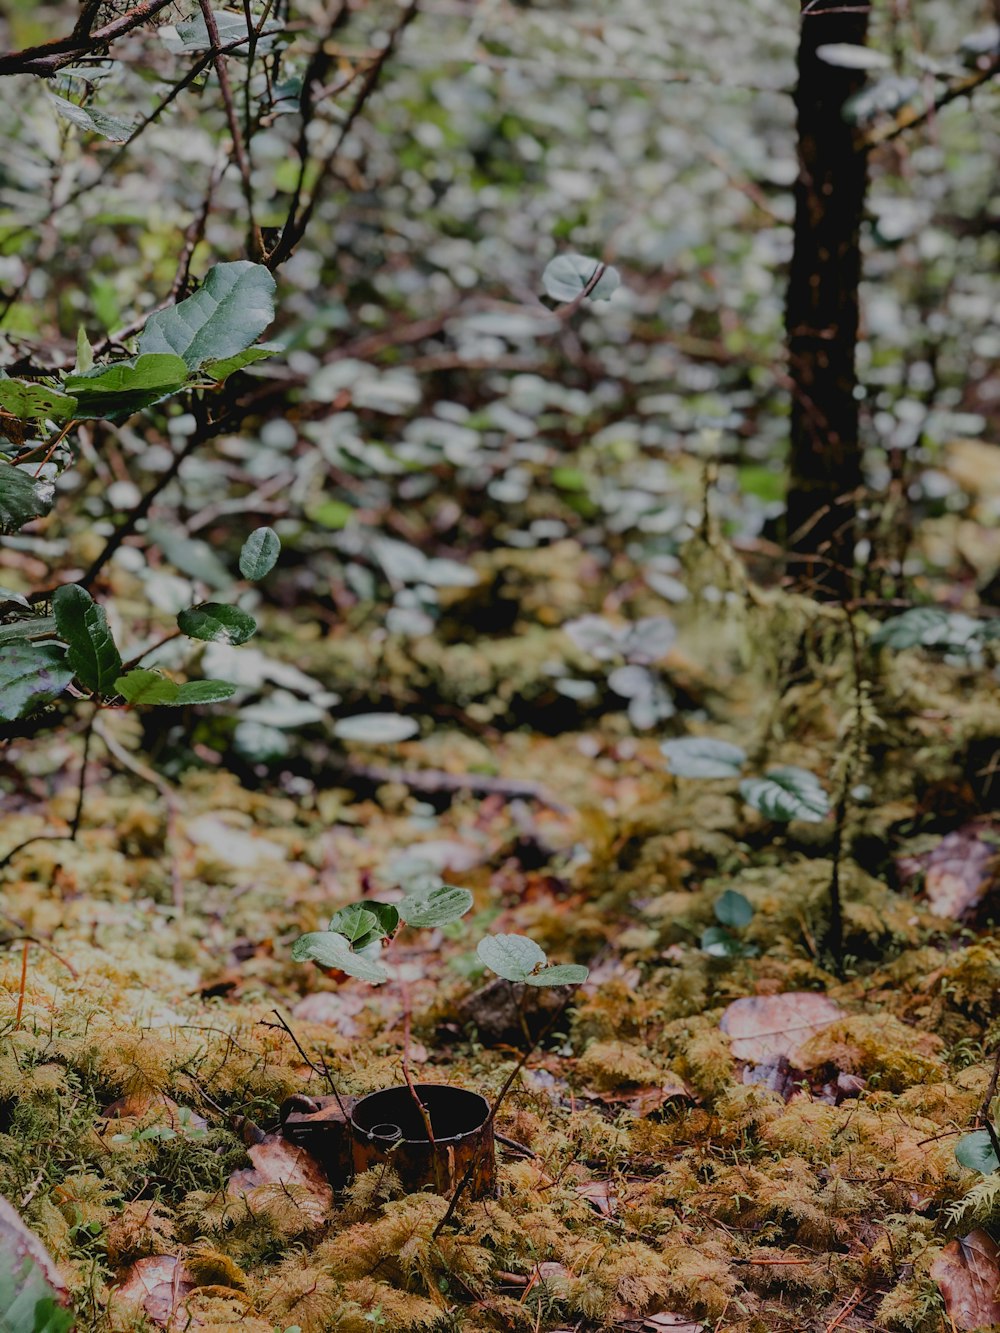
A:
433, 780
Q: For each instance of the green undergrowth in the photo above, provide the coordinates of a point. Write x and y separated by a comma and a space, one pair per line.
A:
147, 1045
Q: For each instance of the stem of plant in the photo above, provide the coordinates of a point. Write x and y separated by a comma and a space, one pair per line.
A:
508, 1084
24, 985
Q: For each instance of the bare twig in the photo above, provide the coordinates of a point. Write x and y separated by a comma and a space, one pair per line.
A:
49, 57
240, 153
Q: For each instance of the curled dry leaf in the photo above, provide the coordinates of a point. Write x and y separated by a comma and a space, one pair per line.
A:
278, 1162
157, 1287
763, 1028
959, 872
967, 1272
601, 1194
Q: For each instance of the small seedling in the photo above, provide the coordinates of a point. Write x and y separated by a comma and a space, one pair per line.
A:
733, 912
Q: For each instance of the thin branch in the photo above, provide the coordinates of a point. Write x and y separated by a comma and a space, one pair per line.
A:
295, 226
909, 117
49, 57
240, 155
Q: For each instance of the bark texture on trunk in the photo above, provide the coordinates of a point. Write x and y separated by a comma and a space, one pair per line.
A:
821, 311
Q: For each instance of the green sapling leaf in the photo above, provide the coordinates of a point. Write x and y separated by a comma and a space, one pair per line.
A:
215, 622
329, 949
260, 553
91, 649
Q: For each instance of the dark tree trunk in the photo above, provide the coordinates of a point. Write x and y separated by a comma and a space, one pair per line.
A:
821, 311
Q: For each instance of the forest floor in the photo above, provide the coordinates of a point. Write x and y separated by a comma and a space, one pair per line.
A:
785, 1164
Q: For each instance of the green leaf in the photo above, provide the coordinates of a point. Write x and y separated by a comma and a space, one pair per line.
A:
719, 943
333, 514
150, 688
513, 957
31, 674
260, 553
217, 623
84, 352
221, 370
732, 909
975, 1151
566, 276
438, 908
22, 497
787, 793
30, 401
124, 387
91, 648
385, 916
331, 950
231, 28
225, 315
703, 757
93, 121
560, 974
930, 627
376, 728
356, 924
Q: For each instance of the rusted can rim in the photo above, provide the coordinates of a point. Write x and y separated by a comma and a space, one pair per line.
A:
459, 1104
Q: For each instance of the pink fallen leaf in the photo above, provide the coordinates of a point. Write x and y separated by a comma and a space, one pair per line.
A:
157, 1287
336, 1009
968, 1275
762, 1028
676, 1323
278, 1162
959, 872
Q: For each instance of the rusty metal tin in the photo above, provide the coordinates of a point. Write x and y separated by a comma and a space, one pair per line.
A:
388, 1129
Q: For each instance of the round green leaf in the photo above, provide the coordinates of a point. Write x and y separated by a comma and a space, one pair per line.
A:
151, 688
703, 757
438, 908
560, 974
718, 942
787, 793
567, 276
260, 553
976, 1152
329, 949
513, 957
216, 622
732, 909
230, 310
376, 728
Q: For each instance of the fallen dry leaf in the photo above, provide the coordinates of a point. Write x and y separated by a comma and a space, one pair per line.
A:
278, 1162
959, 872
968, 1274
157, 1287
646, 1101
762, 1028
601, 1194
336, 1009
